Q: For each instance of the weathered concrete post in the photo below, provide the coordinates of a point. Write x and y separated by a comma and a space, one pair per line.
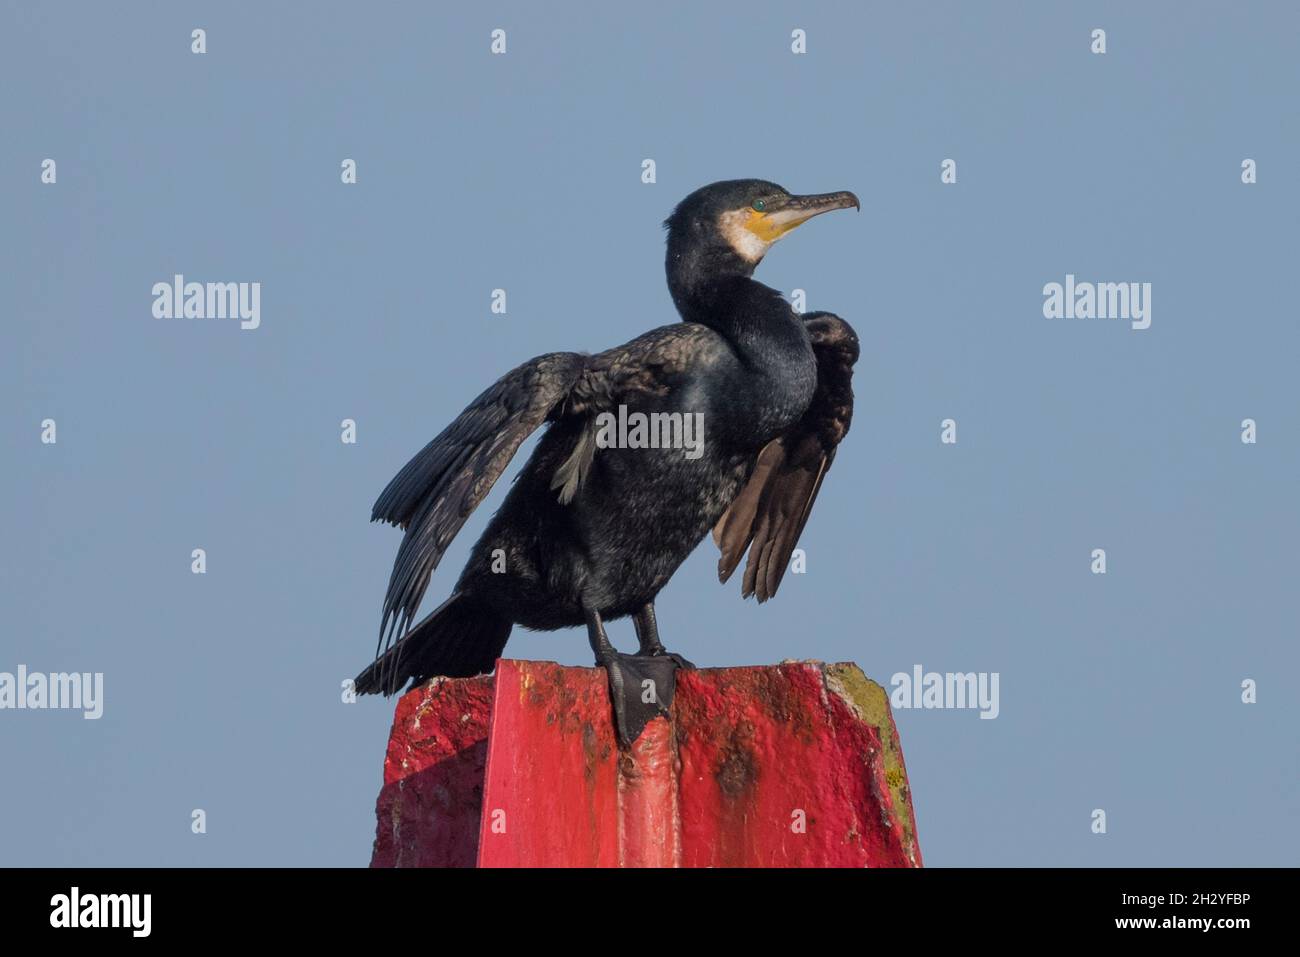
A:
796, 764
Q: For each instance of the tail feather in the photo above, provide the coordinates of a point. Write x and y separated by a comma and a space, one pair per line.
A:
458, 639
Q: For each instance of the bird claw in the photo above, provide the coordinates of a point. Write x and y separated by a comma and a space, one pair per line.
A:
674, 656
641, 689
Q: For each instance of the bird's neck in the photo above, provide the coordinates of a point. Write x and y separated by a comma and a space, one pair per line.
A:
713, 285
700, 273
755, 319
717, 290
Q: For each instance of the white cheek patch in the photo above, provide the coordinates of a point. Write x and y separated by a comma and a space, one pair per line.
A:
748, 246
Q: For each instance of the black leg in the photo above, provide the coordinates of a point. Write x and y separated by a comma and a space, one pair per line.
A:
640, 686
596, 635
647, 630
647, 635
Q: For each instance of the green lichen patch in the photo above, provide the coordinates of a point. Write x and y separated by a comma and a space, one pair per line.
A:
871, 703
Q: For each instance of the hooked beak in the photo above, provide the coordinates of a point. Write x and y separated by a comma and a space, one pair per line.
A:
774, 222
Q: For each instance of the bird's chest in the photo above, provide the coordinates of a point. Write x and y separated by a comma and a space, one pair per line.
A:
769, 395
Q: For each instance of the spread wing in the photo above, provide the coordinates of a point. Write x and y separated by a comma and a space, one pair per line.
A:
433, 495
769, 514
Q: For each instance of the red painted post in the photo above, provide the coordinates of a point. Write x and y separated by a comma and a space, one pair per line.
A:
796, 764
648, 816
550, 793
431, 802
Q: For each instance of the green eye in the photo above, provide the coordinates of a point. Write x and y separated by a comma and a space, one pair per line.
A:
759, 205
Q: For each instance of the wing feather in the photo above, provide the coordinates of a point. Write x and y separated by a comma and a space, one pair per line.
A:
433, 495
435, 492
770, 513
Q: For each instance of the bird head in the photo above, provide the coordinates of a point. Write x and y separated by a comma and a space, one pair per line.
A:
742, 218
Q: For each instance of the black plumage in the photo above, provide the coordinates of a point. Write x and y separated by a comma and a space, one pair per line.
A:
590, 533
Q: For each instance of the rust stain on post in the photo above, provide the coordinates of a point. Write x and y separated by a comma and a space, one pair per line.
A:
789, 765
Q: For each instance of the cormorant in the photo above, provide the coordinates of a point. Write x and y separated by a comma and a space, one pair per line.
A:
591, 531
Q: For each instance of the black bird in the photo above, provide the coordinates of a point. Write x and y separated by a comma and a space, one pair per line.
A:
592, 531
